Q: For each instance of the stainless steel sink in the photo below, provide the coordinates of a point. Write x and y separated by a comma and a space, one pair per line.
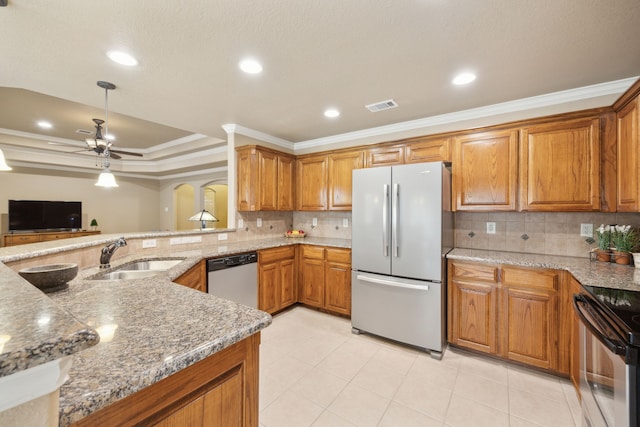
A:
154, 264
139, 269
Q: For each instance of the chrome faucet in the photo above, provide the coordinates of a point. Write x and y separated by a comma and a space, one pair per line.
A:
107, 252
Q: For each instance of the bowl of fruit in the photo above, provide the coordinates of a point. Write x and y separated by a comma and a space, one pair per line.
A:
294, 233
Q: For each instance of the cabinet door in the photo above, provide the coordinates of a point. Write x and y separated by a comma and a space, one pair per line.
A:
312, 278
268, 181
428, 150
286, 167
530, 322
341, 167
195, 277
628, 120
473, 316
384, 156
311, 183
268, 282
337, 291
287, 283
246, 186
484, 169
560, 166
530, 329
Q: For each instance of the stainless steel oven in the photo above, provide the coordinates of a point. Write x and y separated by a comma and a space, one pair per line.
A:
608, 358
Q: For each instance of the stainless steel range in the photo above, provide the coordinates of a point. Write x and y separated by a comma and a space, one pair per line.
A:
609, 355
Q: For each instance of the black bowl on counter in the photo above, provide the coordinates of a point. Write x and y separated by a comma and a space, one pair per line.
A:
51, 277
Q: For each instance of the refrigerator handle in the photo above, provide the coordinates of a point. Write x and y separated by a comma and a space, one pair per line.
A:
394, 219
385, 220
395, 284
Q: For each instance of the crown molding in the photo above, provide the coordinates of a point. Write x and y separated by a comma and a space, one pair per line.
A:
616, 87
261, 136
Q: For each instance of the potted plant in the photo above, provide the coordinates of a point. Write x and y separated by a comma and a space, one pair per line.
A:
625, 240
603, 236
94, 224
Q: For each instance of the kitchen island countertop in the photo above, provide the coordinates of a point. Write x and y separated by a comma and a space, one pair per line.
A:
149, 328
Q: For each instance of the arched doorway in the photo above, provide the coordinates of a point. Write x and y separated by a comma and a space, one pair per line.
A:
216, 201
184, 202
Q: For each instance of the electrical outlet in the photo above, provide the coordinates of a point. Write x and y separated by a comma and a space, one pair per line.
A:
149, 243
491, 228
345, 222
259, 222
314, 222
222, 236
586, 230
240, 223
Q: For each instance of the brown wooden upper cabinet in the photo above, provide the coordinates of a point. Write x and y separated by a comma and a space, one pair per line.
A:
311, 183
628, 119
324, 182
484, 168
560, 166
265, 179
341, 166
384, 156
422, 149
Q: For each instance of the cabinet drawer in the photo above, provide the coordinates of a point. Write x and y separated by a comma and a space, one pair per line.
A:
428, 151
526, 278
313, 252
48, 237
486, 273
270, 255
339, 255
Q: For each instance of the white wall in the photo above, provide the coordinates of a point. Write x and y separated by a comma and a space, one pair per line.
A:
133, 206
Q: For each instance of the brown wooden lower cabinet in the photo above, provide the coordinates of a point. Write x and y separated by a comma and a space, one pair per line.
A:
276, 278
195, 277
325, 278
221, 390
512, 312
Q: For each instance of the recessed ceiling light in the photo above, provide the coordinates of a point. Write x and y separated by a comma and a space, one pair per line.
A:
331, 113
122, 58
464, 78
44, 124
250, 66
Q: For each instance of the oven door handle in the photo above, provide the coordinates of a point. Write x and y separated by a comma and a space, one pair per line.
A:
616, 346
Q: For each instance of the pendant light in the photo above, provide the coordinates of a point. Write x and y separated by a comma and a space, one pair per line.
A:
106, 178
3, 163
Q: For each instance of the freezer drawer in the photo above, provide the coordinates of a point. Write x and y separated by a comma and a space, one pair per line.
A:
404, 310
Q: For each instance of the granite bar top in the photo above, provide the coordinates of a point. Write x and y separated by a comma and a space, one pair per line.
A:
588, 273
149, 328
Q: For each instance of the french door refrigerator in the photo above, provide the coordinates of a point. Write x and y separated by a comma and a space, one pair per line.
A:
402, 230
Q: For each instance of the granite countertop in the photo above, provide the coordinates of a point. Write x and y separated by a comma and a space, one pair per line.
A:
588, 273
150, 328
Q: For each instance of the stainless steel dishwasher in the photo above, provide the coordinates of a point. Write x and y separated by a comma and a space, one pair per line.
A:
234, 278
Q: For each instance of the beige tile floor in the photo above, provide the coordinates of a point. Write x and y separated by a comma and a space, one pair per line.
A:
315, 372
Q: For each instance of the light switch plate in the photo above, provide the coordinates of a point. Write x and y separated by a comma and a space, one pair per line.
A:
491, 228
259, 222
345, 222
222, 236
240, 223
586, 230
314, 222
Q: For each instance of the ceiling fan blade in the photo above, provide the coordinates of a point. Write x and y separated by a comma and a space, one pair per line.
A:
68, 144
128, 153
114, 155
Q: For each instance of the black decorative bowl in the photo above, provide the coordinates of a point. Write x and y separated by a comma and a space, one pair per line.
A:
50, 278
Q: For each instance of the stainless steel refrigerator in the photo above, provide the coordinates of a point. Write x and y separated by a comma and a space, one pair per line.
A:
402, 230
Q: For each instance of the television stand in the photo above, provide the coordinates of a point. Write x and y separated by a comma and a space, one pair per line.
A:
44, 236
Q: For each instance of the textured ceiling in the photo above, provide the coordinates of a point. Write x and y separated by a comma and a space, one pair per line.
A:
316, 54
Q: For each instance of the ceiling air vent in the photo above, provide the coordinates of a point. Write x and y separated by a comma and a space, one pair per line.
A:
384, 105
84, 132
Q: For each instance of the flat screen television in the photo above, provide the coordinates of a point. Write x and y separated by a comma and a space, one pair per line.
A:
40, 215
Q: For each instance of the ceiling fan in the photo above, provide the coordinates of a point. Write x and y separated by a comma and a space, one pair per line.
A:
100, 144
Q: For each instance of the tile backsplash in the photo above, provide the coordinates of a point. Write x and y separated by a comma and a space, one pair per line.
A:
329, 224
549, 233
